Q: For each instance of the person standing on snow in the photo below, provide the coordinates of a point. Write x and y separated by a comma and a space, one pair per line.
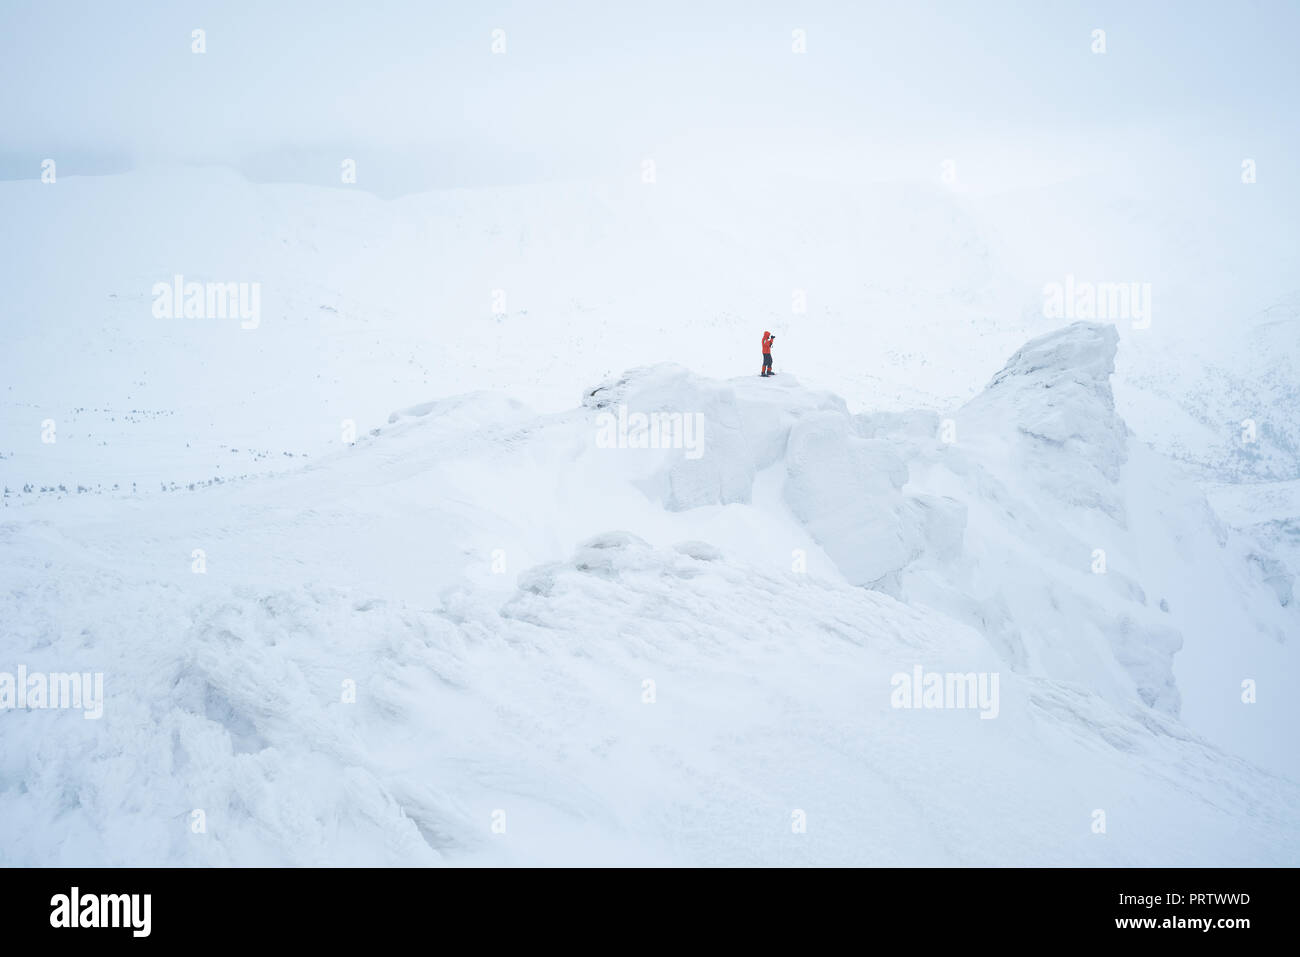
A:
768, 339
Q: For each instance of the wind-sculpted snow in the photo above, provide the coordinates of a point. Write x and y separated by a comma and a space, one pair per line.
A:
628, 704
1051, 410
744, 429
1046, 423
1041, 457
848, 492
1028, 514
622, 651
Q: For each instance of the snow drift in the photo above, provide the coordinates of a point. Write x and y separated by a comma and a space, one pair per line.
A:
483, 635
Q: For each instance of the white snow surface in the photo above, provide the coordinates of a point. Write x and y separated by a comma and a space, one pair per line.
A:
566, 653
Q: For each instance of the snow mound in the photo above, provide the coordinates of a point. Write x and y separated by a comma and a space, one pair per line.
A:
741, 430
1042, 438
625, 652
1026, 514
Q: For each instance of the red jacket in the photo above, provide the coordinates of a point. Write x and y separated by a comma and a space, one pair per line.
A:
767, 343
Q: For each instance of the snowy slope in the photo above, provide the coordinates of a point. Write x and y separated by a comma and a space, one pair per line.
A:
498, 586
499, 581
535, 707
368, 306
911, 293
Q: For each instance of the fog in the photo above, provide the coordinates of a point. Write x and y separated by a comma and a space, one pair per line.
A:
416, 94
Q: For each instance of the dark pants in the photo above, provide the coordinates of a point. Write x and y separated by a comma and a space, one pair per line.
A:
767, 361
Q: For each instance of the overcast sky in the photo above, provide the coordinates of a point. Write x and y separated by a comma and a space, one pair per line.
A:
585, 86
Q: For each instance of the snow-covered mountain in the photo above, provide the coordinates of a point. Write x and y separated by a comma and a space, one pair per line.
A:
598, 598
